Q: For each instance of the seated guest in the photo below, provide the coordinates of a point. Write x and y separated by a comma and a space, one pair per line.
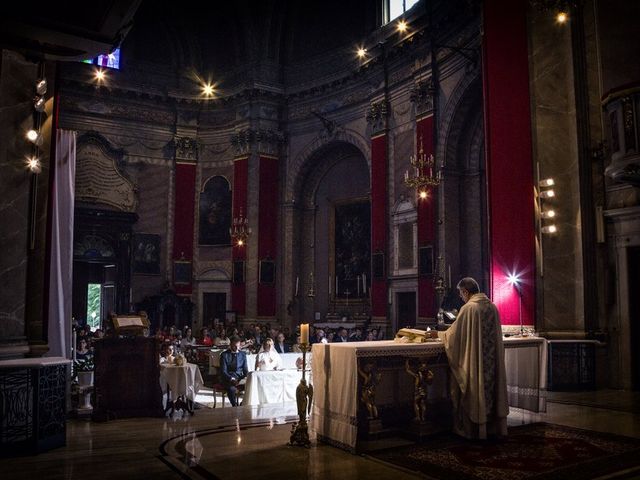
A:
318, 337
330, 337
188, 340
268, 358
233, 368
222, 340
296, 346
280, 345
370, 337
166, 353
356, 336
342, 336
82, 353
206, 339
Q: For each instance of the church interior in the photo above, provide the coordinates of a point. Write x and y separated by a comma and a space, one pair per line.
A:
314, 182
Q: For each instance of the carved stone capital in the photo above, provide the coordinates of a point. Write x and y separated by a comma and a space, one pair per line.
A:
186, 148
266, 141
377, 116
422, 96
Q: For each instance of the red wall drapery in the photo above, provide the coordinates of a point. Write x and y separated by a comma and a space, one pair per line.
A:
239, 253
379, 219
268, 230
509, 159
426, 221
184, 217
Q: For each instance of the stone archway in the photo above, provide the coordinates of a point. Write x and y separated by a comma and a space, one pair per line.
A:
336, 173
464, 206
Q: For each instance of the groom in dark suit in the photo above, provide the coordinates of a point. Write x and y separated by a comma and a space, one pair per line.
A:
233, 364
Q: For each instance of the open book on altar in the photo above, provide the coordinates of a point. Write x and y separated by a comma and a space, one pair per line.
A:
130, 323
413, 335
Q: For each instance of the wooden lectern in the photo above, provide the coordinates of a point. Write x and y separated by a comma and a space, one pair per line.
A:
127, 373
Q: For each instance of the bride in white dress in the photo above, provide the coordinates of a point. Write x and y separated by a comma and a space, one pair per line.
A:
268, 358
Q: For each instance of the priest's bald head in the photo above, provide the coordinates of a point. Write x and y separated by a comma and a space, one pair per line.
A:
467, 287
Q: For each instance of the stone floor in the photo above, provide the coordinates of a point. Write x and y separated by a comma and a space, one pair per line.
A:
250, 443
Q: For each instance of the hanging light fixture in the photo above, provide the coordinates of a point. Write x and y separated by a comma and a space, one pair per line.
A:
240, 230
424, 175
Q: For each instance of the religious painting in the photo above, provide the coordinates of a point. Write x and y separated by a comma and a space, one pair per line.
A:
215, 213
425, 260
352, 248
146, 254
267, 271
238, 271
181, 272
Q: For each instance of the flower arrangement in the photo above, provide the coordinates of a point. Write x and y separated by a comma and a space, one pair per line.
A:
84, 365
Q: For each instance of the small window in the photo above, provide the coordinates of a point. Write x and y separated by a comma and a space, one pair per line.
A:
392, 9
110, 60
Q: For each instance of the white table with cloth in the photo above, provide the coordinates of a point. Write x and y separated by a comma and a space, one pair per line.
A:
272, 386
182, 381
288, 361
525, 360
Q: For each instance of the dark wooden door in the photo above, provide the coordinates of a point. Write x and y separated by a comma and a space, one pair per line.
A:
214, 305
406, 309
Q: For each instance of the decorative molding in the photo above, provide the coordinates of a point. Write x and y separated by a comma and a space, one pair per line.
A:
186, 148
98, 178
266, 141
377, 115
422, 95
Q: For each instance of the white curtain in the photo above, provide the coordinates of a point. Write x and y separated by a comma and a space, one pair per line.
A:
61, 267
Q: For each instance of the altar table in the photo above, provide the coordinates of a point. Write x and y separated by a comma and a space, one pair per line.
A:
335, 381
336, 400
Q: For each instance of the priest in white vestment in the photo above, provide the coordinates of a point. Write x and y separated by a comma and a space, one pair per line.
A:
476, 358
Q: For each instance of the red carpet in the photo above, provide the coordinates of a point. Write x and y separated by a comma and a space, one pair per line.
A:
535, 451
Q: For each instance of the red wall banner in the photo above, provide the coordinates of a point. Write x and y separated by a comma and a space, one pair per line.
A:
379, 219
268, 233
239, 253
509, 159
427, 211
184, 218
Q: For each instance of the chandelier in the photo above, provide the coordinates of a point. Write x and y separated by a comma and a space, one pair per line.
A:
240, 230
422, 176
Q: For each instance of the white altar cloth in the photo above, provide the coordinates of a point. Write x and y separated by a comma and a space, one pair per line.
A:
184, 380
274, 386
525, 360
335, 384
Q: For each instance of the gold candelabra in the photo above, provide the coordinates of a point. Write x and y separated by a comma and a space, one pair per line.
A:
240, 229
304, 398
424, 175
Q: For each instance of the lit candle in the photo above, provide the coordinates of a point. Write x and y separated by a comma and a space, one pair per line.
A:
297, 284
304, 333
406, 174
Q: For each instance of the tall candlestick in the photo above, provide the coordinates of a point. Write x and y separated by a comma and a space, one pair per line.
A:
337, 286
297, 284
304, 333
364, 283
449, 275
358, 284
329, 285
